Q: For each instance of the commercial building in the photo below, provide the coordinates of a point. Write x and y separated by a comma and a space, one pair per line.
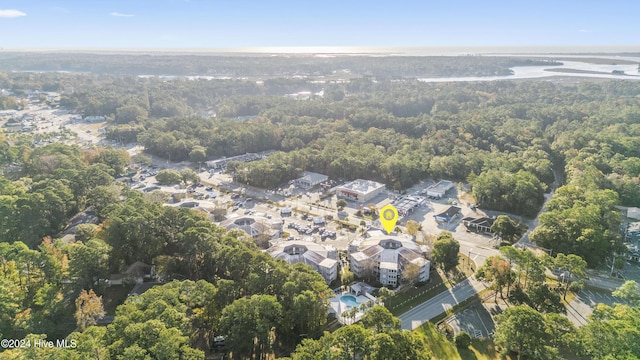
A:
359, 190
386, 257
322, 259
480, 224
440, 189
407, 204
248, 157
448, 215
310, 179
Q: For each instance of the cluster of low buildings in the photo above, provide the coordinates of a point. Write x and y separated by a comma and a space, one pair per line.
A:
377, 256
383, 258
222, 163
25, 123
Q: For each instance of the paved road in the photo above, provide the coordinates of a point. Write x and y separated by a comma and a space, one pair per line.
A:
440, 303
478, 252
582, 306
603, 282
533, 223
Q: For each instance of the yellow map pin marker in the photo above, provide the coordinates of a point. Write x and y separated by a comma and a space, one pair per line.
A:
389, 218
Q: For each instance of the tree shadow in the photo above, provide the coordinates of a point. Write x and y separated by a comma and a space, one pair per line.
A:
467, 354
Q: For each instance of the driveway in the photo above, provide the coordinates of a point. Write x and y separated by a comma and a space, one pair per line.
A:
477, 320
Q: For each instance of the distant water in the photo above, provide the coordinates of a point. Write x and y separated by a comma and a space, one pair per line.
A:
440, 50
533, 72
369, 50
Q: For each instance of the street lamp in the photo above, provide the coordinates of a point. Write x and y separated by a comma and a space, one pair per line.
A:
469, 257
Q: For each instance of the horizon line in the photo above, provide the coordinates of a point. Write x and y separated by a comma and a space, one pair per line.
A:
355, 50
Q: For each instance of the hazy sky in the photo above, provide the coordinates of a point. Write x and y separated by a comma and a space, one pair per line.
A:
283, 23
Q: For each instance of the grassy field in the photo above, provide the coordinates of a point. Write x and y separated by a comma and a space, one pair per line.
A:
443, 349
406, 300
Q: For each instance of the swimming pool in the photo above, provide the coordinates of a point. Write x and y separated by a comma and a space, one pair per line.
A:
349, 300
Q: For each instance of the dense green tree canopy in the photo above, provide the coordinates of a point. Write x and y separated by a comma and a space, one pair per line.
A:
377, 337
445, 251
511, 141
521, 329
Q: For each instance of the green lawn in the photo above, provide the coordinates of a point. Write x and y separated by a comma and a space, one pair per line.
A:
443, 349
403, 302
406, 300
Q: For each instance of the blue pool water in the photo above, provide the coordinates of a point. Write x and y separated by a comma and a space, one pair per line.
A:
349, 300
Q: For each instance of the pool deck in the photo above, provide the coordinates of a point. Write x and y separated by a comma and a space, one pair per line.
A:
339, 307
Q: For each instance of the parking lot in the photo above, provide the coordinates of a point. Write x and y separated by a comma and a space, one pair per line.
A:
476, 320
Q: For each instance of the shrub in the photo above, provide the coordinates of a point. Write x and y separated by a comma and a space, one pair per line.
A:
463, 340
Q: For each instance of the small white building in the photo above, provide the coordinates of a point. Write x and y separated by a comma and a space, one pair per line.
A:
310, 179
633, 213
440, 189
94, 119
359, 190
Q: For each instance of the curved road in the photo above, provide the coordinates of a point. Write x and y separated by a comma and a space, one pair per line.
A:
532, 224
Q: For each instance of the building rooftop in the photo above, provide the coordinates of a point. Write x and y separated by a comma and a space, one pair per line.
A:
249, 224
311, 177
362, 186
442, 186
389, 265
449, 213
403, 241
481, 221
389, 256
327, 263
407, 203
307, 252
372, 250
359, 256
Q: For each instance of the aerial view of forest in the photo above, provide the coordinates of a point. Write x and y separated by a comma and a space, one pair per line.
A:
360, 180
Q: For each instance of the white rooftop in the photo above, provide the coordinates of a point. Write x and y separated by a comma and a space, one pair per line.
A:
362, 186
442, 186
312, 177
388, 265
359, 256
